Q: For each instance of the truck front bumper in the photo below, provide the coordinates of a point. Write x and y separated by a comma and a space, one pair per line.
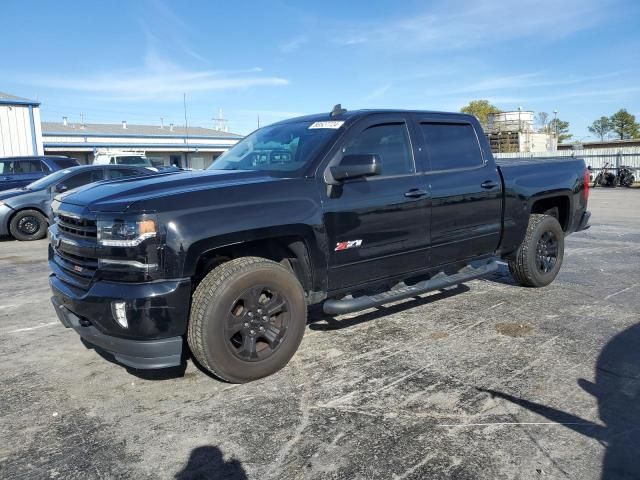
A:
157, 317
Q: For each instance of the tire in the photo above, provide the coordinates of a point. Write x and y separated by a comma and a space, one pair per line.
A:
28, 225
597, 181
531, 267
227, 332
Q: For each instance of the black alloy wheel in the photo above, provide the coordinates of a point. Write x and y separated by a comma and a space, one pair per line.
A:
547, 252
257, 323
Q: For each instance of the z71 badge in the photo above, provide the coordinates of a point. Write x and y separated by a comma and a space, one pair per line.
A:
347, 245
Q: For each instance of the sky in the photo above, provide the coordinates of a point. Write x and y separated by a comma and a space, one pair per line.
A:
135, 60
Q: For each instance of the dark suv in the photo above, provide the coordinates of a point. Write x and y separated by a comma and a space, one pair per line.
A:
16, 172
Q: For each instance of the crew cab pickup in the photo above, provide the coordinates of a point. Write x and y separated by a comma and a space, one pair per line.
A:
344, 210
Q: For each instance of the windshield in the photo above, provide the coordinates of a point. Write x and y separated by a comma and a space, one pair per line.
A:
286, 148
49, 180
134, 160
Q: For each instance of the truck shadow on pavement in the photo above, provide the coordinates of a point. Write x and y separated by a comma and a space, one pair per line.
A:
318, 320
617, 390
208, 463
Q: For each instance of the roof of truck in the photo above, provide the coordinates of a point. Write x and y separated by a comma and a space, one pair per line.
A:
354, 114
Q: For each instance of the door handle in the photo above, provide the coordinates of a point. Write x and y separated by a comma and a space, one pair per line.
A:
489, 184
415, 193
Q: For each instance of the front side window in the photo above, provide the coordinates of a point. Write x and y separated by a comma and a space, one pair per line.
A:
451, 145
286, 147
124, 172
5, 168
390, 142
132, 160
83, 179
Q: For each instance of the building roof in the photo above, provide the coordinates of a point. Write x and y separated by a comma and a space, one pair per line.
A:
8, 99
116, 130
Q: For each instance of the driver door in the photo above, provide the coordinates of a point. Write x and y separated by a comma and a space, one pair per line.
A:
378, 226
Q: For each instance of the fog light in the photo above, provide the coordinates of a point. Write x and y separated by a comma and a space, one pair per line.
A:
119, 311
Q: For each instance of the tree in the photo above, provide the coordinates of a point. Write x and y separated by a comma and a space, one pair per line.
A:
481, 109
561, 128
624, 124
543, 117
601, 127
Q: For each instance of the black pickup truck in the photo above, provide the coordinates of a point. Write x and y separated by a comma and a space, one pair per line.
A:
347, 210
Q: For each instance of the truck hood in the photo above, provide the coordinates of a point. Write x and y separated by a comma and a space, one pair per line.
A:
120, 195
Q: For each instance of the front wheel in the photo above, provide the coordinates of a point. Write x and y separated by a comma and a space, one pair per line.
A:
247, 319
539, 257
28, 225
598, 180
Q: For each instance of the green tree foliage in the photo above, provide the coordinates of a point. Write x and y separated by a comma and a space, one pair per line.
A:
480, 109
601, 127
561, 128
624, 124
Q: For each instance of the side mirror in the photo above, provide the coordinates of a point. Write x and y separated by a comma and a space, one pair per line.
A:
61, 188
356, 166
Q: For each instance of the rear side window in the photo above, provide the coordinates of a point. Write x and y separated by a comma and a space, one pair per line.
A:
451, 145
390, 142
24, 166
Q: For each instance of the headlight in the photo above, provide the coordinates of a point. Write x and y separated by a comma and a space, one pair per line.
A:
126, 232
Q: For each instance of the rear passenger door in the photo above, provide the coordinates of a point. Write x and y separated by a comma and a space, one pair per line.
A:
466, 191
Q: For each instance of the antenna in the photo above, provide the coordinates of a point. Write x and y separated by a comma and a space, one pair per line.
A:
186, 124
338, 110
221, 122
258, 120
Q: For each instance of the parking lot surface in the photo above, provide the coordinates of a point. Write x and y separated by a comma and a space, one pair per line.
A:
484, 381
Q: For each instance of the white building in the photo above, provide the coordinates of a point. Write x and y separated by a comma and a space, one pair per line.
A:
195, 147
514, 132
20, 132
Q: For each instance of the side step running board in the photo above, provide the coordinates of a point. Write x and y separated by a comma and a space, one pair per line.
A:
441, 280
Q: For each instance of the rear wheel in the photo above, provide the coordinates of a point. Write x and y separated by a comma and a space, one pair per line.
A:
539, 257
28, 225
247, 319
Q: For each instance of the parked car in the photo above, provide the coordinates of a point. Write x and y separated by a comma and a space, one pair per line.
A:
348, 210
16, 172
122, 158
25, 213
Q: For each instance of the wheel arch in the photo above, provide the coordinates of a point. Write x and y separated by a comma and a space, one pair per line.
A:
556, 205
294, 246
21, 209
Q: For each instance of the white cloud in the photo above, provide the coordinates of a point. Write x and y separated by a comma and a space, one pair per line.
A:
293, 44
377, 93
477, 23
158, 78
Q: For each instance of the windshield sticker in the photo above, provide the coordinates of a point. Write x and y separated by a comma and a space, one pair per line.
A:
334, 124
